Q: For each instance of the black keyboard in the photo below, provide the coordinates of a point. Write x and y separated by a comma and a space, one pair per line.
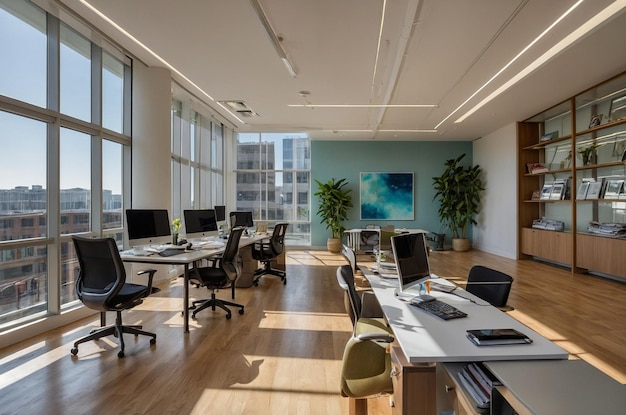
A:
171, 251
440, 309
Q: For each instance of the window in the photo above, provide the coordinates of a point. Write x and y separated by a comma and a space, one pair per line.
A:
52, 156
197, 160
75, 74
23, 68
271, 170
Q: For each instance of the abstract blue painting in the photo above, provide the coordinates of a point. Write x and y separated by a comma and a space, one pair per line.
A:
387, 196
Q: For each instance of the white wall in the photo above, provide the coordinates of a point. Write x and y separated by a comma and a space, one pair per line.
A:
496, 231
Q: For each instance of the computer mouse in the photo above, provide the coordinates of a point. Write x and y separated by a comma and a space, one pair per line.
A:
189, 245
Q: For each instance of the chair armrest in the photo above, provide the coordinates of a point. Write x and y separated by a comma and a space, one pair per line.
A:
150, 273
376, 337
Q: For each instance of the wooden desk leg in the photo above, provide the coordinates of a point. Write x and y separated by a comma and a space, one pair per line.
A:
186, 299
357, 406
248, 266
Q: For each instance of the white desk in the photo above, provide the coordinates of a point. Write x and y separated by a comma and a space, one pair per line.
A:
427, 340
187, 260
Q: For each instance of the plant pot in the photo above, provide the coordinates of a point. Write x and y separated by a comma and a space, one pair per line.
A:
333, 245
460, 244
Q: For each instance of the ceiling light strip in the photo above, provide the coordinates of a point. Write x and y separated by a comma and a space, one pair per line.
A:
519, 55
363, 105
273, 38
577, 34
151, 52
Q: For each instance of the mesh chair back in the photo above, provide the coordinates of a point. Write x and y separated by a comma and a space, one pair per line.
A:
490, 285
277, 241
232, 245
102, 273
345, 277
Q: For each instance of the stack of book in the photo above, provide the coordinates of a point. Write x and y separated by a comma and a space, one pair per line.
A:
608, 229
478, 381
548, 224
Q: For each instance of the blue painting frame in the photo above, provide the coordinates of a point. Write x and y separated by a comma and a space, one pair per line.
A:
387, 196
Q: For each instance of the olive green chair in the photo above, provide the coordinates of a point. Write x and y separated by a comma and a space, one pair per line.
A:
366, 363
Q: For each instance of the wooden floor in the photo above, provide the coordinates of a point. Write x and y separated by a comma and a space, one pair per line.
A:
283, 355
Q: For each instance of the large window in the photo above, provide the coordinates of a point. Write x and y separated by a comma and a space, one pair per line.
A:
197, 160
273, 180
61, 176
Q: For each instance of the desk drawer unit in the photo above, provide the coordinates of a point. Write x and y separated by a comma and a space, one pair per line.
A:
406, 378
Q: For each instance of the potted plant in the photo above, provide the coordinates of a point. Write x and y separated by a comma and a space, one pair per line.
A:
587, 153
458, 189
334, 203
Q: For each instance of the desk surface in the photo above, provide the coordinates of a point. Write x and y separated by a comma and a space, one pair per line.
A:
187, 257
565, 387
426, 338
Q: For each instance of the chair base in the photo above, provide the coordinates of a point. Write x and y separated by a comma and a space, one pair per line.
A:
116, 330
213, 302
268, 270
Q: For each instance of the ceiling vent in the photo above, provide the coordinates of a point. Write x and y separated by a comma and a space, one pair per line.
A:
240, 108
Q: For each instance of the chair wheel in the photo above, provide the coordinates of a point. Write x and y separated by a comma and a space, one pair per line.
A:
256, 283
228, 316
120, 354
284, 281
74, 351
241, 311
153, 340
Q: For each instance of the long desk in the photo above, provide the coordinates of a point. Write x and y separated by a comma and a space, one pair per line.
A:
426, 340
187, 260
353, 236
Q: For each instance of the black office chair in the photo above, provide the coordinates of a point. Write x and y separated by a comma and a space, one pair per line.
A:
269, 249
222, 273
490, 285
102, 286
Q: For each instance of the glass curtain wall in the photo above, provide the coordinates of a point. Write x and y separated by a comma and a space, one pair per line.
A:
197, 160
65, 135
273, 180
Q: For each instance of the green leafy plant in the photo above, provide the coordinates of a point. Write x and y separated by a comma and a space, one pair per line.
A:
334, 204
458, 189
587, 153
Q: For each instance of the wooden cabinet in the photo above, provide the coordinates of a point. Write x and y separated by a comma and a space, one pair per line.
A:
578, 142
408, 377
452, 398
550, 245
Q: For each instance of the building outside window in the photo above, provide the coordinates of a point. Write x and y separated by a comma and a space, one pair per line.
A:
273, 181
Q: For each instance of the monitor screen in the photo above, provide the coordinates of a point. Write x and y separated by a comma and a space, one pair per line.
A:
409, 251
242, 219
220, 213
200, 223
147, 226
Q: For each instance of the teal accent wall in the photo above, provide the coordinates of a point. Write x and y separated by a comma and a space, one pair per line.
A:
425, 159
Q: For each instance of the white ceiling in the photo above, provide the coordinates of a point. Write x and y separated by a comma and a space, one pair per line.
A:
431, 52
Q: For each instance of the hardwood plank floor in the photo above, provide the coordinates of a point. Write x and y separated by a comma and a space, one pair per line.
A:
284, 354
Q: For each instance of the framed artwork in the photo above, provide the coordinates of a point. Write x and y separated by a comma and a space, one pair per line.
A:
386, 196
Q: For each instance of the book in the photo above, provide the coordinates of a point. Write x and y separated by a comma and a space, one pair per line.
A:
492, 337
582, 191
594, 190
536, 168
546, 191
558, 190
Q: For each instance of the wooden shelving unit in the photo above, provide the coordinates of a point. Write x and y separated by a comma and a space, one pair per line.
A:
571, 130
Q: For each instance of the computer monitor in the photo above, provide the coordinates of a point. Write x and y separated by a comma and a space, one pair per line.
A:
220, 213
410, 253
200, 223
242, 219
148, 226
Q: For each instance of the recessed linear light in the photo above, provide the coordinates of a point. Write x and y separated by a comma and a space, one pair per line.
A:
154, 54
515, 58
587, 27
380, 131
363, 106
